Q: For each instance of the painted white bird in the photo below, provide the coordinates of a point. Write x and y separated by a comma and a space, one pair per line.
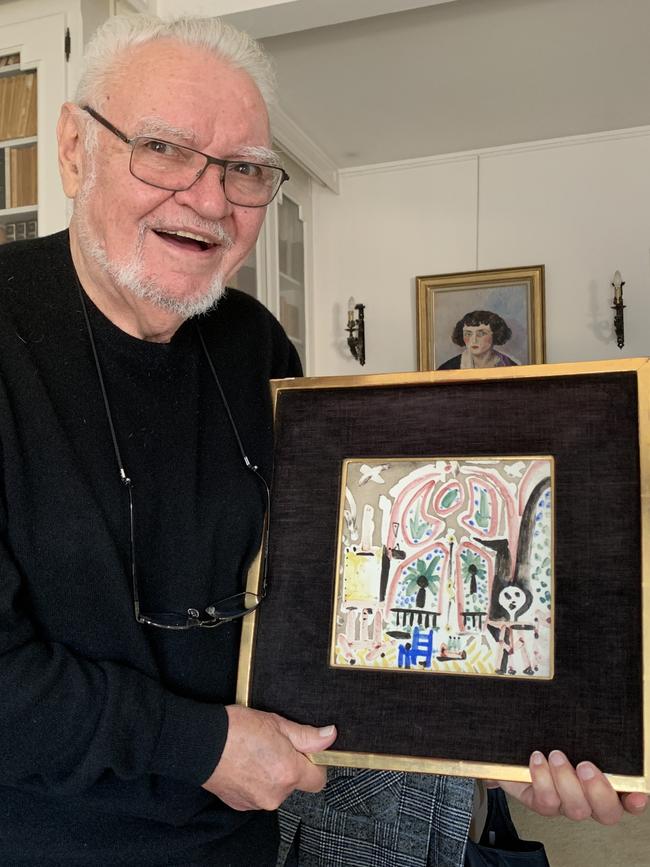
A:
372, 474
515, 470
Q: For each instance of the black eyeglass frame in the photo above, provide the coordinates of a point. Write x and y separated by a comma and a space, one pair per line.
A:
208, 161
193, 617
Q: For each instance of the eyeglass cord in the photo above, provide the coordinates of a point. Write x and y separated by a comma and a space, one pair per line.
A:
126, 479
226, 406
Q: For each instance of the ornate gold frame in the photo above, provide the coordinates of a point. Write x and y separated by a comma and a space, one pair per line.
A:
432, 288
641, 368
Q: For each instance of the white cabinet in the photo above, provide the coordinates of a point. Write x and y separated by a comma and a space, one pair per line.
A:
32, 88
278, 271
43, 39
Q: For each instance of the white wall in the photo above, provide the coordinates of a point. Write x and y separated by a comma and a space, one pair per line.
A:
580, 206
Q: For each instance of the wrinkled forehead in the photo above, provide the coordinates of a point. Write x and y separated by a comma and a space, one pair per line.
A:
186, 88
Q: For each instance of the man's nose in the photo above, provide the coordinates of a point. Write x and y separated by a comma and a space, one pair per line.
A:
206, 196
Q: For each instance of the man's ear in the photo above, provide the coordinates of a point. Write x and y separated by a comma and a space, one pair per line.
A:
72, 157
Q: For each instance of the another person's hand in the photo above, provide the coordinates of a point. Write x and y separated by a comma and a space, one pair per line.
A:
264, 760
583, 792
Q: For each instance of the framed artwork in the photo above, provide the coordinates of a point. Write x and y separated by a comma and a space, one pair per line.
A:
459, 569
441, 569
480, 319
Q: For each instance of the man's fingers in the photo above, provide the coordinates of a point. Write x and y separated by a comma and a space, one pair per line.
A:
581, 793
312, 777
264, 760
634, 802
573, 799
521, 791
541, 795
606, 805
307, 739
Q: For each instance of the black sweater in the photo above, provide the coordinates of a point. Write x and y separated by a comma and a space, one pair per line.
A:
108, 727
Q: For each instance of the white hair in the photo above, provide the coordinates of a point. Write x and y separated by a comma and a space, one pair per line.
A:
111, 44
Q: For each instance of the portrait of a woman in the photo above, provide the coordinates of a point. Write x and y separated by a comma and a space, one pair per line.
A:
478, 333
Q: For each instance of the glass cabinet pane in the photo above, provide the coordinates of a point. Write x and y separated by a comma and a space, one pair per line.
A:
246, 278
291, 259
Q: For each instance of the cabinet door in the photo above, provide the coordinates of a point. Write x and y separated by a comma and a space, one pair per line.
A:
32, 82
291, 273
278, 270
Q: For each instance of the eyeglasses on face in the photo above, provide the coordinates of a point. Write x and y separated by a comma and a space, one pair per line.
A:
174, 167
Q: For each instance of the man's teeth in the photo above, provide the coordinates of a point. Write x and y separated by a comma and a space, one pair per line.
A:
190, 235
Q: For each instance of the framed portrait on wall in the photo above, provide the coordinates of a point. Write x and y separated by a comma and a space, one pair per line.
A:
478, 319
458, 570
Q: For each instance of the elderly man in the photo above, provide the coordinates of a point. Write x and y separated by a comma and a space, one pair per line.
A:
136, 449
136, 445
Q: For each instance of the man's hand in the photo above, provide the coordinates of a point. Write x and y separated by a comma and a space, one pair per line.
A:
581, 793
263, 760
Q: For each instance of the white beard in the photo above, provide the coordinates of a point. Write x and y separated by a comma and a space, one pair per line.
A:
129, 275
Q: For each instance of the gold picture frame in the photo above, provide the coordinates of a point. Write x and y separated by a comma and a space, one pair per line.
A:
593, 418
514, 300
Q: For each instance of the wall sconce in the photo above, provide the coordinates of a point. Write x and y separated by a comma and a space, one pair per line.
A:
356, 331
618, 308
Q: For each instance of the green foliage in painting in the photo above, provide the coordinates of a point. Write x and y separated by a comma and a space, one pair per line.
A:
471, 558
482, 514
422, 569
417, 527
474, 575
449, 498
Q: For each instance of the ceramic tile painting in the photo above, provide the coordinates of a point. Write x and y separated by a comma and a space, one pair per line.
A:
445, 565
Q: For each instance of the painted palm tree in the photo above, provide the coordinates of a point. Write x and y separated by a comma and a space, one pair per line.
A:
472, 569
422, 576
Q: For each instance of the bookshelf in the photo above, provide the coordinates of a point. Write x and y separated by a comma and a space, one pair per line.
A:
18, 151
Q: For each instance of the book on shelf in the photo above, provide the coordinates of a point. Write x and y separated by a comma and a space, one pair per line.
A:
21, 230
18, 103
23, 178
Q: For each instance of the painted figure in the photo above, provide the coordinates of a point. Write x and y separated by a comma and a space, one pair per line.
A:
479, 332
513, 601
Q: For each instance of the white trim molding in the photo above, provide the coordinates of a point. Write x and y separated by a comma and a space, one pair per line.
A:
500, 150
303, 149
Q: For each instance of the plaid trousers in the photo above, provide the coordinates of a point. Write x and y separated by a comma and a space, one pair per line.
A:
379, 819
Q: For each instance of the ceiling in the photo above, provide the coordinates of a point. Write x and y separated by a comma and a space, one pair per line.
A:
440, 77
